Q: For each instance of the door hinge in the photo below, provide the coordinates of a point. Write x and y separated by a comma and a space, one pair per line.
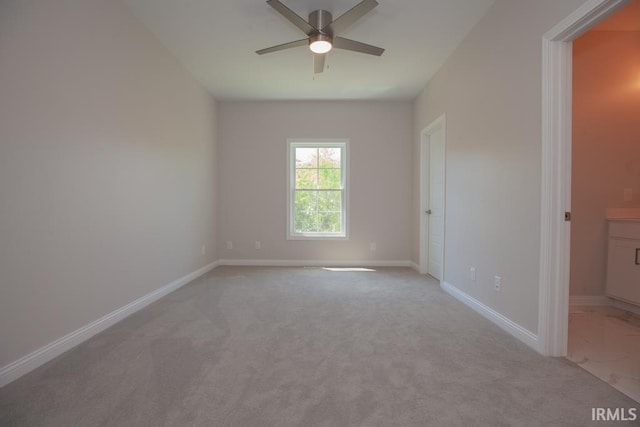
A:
567, 216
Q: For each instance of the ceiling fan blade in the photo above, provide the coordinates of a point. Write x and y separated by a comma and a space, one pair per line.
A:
283, 46
349, 17
292, 17
342, 43
318, 62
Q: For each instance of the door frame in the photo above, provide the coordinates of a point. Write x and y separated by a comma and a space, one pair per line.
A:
555, 237
425, 135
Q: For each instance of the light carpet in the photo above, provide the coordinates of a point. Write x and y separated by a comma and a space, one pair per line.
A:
306, 347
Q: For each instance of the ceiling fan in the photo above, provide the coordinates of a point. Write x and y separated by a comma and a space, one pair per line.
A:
321, 32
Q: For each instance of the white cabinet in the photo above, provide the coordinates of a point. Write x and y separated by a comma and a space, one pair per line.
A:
623, 261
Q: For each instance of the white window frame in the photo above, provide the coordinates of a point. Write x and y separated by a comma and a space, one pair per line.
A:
292, 144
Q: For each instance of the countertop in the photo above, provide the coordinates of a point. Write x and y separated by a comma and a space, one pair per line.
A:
623, 214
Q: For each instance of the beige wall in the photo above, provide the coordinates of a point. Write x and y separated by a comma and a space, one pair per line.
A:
108, 170
490, 90
605, 148
107, 180
252, 176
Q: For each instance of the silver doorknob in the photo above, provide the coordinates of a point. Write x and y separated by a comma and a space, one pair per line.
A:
428, 212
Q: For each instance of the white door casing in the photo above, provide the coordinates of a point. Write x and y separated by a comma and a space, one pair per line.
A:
432, 198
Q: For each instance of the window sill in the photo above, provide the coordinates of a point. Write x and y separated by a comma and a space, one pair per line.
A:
317, 237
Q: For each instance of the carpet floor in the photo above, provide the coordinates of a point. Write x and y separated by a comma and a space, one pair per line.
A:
306, 347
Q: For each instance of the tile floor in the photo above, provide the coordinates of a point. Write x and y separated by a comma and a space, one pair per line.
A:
606, 342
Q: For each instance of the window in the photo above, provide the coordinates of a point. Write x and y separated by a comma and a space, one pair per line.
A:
317, 189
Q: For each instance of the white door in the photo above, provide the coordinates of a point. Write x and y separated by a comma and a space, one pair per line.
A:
432, 165
436, 202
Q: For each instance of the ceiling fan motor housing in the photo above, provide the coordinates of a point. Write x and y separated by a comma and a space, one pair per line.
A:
320, 19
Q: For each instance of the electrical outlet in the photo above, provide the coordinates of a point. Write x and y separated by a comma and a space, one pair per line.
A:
229, 245
472, 274
373, 246
497, 284
258, 244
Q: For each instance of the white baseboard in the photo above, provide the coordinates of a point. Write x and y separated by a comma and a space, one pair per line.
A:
415, 266
311, 263
626, 306
503, 322
589, 300
602, 301
31, 361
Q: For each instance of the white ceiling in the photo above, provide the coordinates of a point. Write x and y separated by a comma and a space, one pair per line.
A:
217, 39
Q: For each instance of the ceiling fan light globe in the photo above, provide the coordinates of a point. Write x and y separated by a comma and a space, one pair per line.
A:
320, 46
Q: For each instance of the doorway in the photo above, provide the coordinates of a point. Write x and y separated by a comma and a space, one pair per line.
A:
555, 236
432, 198
605, 161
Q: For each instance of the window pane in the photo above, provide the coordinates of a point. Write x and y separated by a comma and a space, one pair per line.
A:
306, 211
306, 179
330, 179
306, 222
306, 157
329, 223
330, 201
306, 201
329, 157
